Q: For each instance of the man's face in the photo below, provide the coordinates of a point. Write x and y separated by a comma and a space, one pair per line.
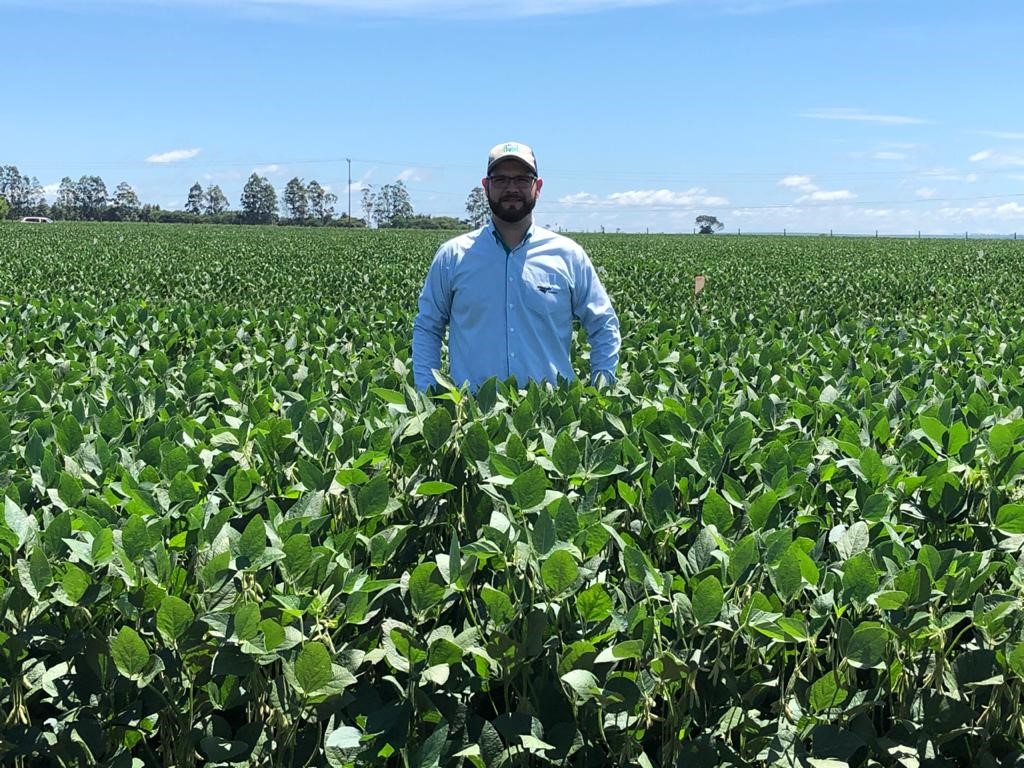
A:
512, 190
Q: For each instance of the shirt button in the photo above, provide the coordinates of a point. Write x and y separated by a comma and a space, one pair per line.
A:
510, 279
512, 354
511, 330
511, 306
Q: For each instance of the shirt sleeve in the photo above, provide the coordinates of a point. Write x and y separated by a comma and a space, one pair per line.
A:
435, 304
590, 303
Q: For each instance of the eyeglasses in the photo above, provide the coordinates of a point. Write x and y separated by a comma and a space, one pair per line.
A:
504, 182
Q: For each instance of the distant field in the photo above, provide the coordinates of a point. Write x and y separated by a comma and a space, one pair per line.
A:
234, 535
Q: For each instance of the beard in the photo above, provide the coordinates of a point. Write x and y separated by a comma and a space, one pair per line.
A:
504, 209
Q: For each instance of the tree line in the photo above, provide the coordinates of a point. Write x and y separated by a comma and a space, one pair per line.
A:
301, 203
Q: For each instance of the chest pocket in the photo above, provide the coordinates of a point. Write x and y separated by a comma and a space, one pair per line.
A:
545, 292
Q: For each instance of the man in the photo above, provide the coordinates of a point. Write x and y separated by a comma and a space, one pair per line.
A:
507, 293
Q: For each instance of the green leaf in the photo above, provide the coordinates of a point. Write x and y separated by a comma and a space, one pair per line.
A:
499, 606
433, 488
565, 455
389, 395
39, 570
1015, 659
1001, 439
160, 362
437, 428
594, 604
273, 634
855, 539
708, 600
130, 654
135, 537
860, 579
182, 488
173, 619
298, 554
491, 747
716, 510
313, 667
69, 489
529, 488
5, 434
429, 753
873, 468
1010, 518
559, 571
630, 649
788, 578
312, 438
743, 556
426, 587
827, 692
543, 535
373, 497
111, 424
337, 746
76, 582
761, 508
738, 436
866, 647
582, 683
934, 428
22, 524
69, 434
247, 621
103, 547
253, 541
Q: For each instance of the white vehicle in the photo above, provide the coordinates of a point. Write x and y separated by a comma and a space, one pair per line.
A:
36, 220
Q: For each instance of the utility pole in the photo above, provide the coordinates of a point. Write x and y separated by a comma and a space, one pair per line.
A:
349, 161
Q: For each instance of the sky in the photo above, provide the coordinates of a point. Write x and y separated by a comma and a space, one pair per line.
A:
852, 116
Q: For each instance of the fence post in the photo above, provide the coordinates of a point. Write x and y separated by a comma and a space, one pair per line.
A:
965, 236
783, 231
830, 233
876, 234
919, 234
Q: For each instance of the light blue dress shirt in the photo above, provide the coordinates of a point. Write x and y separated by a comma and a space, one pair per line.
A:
509, 311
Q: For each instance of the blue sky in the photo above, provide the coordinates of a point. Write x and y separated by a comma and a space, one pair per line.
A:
850, 115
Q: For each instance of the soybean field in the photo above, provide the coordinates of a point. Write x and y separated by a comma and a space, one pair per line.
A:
233, 534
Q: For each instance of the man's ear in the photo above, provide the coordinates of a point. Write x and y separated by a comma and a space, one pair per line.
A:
540, 183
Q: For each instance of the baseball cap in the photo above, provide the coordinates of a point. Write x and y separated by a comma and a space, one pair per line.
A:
512, 150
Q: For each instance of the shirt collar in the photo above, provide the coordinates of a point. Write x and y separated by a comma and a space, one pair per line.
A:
498, 239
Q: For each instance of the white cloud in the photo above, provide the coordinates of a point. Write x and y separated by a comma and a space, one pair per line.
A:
997, 158
580, 198
411, 174
50, 190
889, 156
798, 182
926, 193
812, 192
950, 174
647, 198
174, 156
859, 115
264, 170
1010, 210
1007, 135
825, 196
